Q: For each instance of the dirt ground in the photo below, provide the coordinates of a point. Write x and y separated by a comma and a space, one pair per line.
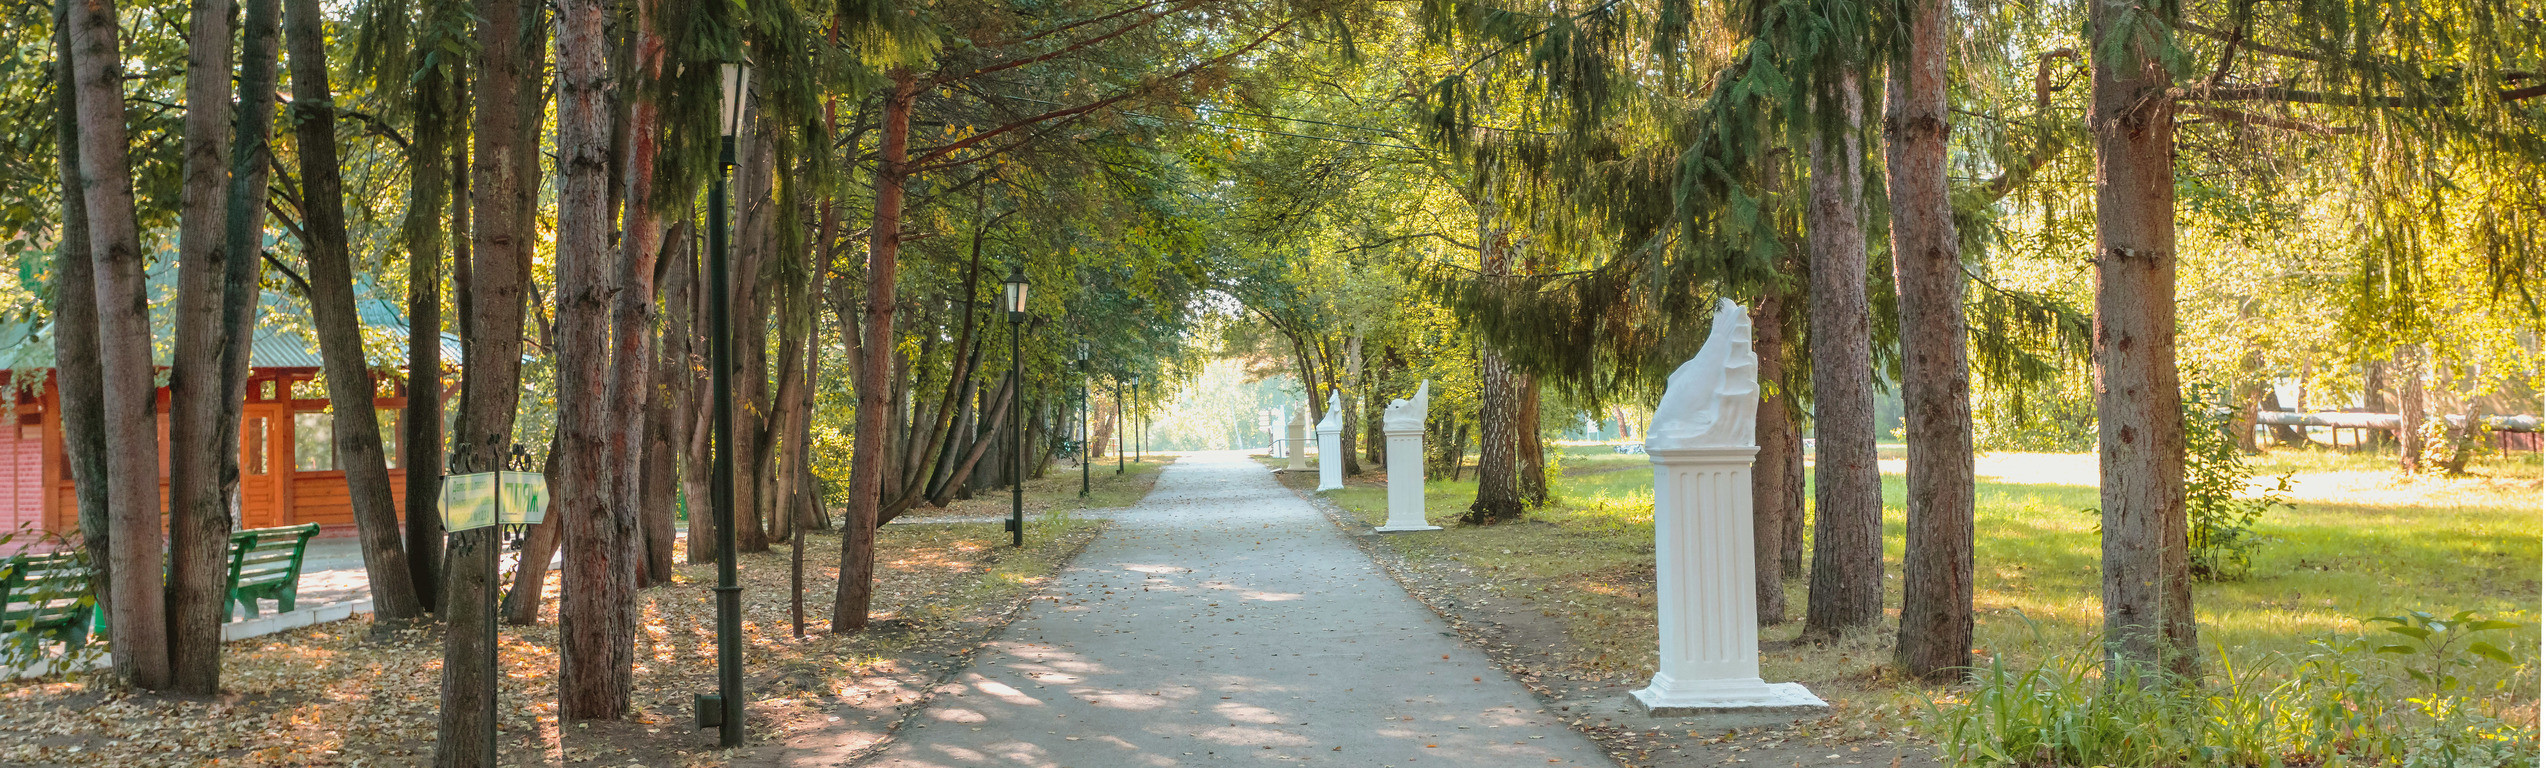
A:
1531, 642
352, 694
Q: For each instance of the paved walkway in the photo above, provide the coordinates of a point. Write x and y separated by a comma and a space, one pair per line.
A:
1225, 619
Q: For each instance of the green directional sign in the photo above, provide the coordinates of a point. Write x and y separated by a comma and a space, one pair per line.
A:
471, 500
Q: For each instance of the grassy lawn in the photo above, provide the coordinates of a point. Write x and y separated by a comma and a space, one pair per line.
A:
2361, 541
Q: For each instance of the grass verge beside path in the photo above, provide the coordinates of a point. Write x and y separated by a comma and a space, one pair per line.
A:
335, 695
1570, 587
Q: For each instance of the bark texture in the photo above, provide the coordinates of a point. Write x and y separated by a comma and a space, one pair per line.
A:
75, 335
503, 170
1498, 417
1936, 565
1847, 533
420, 429
596, 613
350, 390
866, 468
2138, 398
1773, 495
128, 431
199, 458
2411, 408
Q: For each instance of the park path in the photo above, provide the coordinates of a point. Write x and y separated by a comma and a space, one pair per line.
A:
1224, 619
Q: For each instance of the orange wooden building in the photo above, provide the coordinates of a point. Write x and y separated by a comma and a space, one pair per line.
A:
287, 458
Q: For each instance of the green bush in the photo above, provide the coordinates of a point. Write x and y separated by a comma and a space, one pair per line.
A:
2367, 700
2215, 472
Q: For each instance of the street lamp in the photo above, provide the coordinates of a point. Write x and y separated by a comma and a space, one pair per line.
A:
1122, 429
725, 709
1016, 366
1084, 447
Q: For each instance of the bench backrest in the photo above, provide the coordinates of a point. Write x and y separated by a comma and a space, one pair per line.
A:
262, 555
51, 589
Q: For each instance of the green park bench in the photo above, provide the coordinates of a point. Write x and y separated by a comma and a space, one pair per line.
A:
48, 596
265, 564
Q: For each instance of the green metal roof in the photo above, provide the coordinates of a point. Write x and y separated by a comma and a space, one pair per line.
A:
283, 335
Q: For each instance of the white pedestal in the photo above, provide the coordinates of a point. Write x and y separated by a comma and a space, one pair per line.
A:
1405, 483
1298, 439
1706, 589
1330, 459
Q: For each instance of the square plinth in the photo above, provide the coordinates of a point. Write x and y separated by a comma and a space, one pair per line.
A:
1764, 699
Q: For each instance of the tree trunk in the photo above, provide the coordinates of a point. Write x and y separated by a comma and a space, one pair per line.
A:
1936, 564
2282, 434
2410, 410
755, 242
505, 108
668, 413
699, 411
857, 548
1796, 510
138, 630
198, 511
1847, 533
995, 404
1351, 380
1772, 497
350, 390
1531, 455
1458, 453
593, 485
2464, 437
1498, 493
2249, 404
2139, 401
75, 354
251, 157
421, 439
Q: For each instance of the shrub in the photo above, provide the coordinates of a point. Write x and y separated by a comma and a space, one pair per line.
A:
2215, 473
2366, 700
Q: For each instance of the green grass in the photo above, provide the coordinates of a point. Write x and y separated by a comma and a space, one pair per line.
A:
2361, 542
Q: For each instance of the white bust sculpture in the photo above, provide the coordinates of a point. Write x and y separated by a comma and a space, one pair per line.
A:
1334, 419
1712, 400
1408, 415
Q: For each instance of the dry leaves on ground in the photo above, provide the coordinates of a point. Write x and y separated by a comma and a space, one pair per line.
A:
343, 694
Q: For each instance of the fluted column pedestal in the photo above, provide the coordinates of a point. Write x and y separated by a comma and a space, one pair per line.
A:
1706, 589
1297, 432
1330, 458
1405, 483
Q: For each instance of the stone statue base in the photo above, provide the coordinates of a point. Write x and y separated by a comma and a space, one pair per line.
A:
1405, 480
1682, 698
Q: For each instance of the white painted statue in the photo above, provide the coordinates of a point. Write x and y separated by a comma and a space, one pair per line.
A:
1409, 414
1330, 444
1404, 424
1702, 444
1713, 399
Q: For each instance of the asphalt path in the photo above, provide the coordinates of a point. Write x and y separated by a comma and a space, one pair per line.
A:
1224, 619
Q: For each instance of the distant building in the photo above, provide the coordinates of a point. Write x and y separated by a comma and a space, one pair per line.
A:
287, 457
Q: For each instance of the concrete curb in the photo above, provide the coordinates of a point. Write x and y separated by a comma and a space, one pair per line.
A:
282, 622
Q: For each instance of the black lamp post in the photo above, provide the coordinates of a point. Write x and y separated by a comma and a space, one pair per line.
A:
1122, 431
1016, 405
1084, 446
725, 709
1140, 431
